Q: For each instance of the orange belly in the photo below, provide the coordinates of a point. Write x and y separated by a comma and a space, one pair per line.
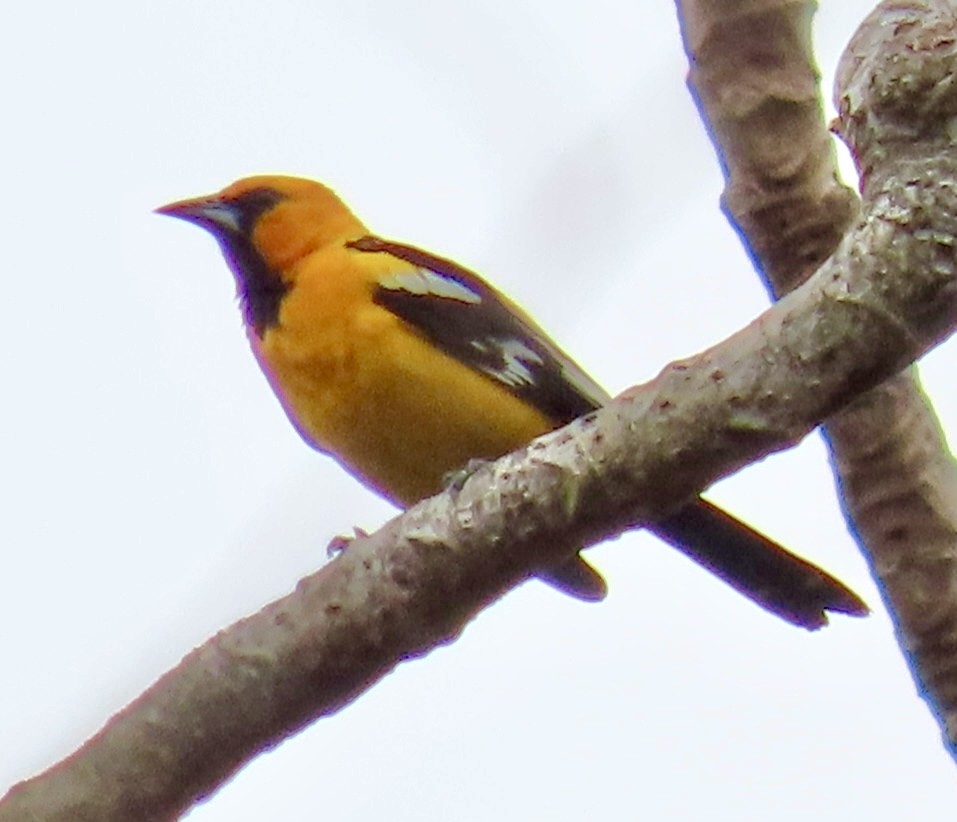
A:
394, 411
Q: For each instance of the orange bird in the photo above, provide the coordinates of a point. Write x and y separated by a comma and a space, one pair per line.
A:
404, 366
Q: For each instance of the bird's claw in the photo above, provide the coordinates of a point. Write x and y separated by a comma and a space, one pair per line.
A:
341, 542
454, 480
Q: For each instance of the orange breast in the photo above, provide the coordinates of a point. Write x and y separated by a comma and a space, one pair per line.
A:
360, 384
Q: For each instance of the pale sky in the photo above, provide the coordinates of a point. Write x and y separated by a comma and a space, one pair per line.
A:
154, 491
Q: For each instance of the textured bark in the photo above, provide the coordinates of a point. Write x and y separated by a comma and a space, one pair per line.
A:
886, 296
753, 75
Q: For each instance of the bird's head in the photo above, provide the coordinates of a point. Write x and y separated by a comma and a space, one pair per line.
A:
265, 225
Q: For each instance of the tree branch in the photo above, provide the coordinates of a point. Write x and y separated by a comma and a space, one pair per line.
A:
888, 294
753, 74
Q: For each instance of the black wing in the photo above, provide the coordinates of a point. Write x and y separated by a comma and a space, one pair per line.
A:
464, 317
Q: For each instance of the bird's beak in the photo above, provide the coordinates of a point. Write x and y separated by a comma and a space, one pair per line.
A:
210, 213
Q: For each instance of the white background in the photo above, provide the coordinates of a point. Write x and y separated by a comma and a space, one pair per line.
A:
153, 491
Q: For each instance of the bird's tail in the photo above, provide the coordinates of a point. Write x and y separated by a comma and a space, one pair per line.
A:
576, 578
748, 561
752, 564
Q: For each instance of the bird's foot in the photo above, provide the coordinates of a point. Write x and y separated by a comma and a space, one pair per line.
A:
454, 480
341, 542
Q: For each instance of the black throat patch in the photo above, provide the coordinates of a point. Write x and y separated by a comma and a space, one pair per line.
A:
260, 287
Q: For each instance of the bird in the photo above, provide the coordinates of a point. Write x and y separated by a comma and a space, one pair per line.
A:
405, 366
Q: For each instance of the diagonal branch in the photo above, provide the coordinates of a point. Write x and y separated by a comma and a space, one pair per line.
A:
888, 294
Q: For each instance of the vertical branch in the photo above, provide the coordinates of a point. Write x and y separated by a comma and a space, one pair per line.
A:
757, 87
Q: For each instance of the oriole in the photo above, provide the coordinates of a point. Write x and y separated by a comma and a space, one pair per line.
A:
404, 366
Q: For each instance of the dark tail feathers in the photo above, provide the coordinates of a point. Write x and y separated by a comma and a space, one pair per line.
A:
748, 561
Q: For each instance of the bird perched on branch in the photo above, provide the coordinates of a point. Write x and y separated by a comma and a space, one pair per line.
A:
405, 366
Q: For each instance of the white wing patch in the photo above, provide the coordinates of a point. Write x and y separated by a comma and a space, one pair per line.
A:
518, 360
423, 282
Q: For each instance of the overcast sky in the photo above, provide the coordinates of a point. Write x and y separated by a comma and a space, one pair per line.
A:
154, 491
